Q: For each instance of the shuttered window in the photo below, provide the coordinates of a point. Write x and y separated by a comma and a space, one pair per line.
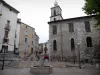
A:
54, 30
89, 41
87, 26
71, 27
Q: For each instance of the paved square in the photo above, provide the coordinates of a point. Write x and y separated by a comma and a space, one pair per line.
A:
56, 71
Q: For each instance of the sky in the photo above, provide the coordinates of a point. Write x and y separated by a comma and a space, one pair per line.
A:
36, 13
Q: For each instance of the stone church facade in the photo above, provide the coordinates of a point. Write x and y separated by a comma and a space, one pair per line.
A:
69, 37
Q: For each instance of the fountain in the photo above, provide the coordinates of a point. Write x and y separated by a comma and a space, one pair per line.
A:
41, 68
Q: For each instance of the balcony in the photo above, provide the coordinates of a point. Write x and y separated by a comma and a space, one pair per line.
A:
7, 27
5, 40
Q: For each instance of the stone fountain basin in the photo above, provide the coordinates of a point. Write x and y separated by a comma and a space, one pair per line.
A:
41, 69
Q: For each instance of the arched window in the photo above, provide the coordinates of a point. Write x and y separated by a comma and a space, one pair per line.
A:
89, 41
54, 30
54, 12
72, 44
54, 45
54, 19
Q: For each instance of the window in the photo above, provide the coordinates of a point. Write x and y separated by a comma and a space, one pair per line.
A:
89, 41
7, 26
87, 26
8, 22
54, 13
5, 40
71, 27
54, 19
31, 50
32, 42
6, 34
72, 44
25, 39
54, 45
54, 30
26, 33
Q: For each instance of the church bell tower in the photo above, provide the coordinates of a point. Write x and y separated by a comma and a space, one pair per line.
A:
56, 12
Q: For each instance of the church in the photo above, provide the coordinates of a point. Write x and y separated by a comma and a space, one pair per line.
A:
73, 36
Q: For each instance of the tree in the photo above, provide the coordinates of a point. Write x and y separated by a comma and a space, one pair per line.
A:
92, 7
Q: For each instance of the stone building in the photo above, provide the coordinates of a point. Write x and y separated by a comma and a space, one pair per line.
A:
26, 40
71, 37
36, 46
8, 23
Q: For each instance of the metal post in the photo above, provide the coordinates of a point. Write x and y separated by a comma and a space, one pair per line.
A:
3, 58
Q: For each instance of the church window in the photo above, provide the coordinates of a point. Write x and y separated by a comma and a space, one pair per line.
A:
72, 44
54, 13
89, 41
71, 27
54, 30
54, 45
87, 26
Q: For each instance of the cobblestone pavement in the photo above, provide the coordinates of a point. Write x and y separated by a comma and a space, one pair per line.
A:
56, 71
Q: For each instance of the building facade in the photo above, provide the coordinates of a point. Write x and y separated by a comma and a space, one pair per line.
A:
71, 37
8, 23
36, 45
17, 34
26, 40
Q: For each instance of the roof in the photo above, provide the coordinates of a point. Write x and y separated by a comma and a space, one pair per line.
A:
9, 6
27, 25
71, 19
